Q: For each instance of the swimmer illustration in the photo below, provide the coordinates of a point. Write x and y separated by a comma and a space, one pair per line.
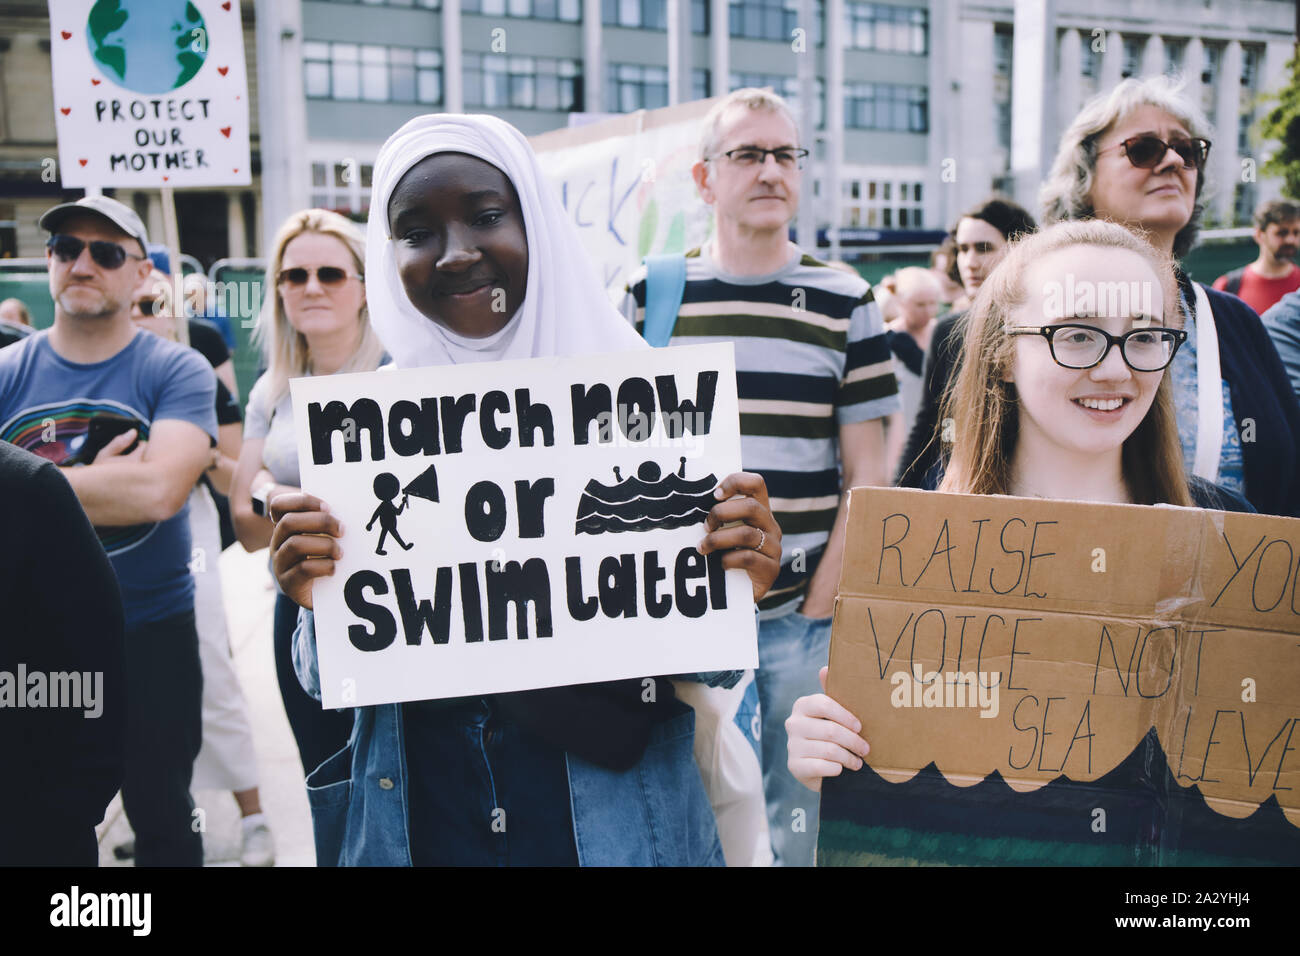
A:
645, 501
386, 489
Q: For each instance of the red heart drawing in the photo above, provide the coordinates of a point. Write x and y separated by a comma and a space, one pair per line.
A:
94, 82
236, 169
83, 161
66, 35
225, 131
226, 5
236, 97
65, 110
222, 70
165, 178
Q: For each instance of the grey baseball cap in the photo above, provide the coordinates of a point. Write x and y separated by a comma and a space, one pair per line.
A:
123, 217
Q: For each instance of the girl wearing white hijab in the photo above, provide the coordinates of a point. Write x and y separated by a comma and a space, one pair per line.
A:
471, 258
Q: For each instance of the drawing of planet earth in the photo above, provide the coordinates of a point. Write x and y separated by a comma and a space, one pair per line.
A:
147, 46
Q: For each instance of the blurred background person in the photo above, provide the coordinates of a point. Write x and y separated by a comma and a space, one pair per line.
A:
1263, 282
227, 759
943, 266
1136, 155
15, 322
980, 239
914, 305
315, 323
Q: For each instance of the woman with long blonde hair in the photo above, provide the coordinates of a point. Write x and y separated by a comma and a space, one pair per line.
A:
313, 322
1063, 392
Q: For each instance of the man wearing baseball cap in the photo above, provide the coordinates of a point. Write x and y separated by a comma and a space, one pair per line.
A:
130, 418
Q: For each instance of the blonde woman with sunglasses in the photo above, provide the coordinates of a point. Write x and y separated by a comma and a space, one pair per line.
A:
313, 322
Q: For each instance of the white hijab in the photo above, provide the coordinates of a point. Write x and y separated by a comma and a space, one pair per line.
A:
565, 310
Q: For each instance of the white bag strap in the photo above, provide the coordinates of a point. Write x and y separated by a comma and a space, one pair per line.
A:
1209, 390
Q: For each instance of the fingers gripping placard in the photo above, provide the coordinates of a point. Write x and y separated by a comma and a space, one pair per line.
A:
524, 524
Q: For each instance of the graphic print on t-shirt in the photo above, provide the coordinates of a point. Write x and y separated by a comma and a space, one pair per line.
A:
58, 432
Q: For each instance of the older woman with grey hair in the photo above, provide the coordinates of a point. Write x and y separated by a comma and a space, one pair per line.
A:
1136, 155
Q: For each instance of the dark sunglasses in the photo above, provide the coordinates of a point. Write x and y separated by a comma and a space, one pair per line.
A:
149, 307
107, 255
326, 275
1147, 151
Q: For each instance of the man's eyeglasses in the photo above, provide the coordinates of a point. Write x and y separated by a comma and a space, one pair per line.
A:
326, 275
1085, 346
148, 307
787, 157
1146, 151
107, 255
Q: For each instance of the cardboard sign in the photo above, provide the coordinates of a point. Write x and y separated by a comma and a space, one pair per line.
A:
1020, 645
516, 525
150, 92
627, 184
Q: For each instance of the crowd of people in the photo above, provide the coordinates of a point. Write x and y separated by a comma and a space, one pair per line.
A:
961, 377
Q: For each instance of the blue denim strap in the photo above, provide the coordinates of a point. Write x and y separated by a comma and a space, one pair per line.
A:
665, 282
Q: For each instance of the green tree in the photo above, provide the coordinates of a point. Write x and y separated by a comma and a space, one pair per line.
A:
1283, 124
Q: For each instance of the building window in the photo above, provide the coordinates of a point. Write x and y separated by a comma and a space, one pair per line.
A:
890, 29
700, 84
1002, 40
1131, 64
633, 87
1210, 64
377, 74
788, 88
1250, 56
1089, 59
569, 11
886, 106
1003, 111
771, 19
1174, 53
342, 186
426, 4
650, 14
495, 81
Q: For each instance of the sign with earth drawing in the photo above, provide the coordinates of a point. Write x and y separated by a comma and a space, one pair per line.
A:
150, 93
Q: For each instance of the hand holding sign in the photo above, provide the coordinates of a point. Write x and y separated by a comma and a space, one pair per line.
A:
759, 555
824, 738
302, 545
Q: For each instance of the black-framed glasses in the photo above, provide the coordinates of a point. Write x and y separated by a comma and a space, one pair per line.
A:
326, 275
787, 157
1086, 346
107, 255
1146, 151
148, 306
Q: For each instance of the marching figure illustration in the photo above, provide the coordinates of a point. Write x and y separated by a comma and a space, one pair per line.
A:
386, 489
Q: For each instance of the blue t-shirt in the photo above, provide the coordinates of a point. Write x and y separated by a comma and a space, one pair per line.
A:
46, 406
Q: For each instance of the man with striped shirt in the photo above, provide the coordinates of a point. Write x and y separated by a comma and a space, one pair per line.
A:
815, 379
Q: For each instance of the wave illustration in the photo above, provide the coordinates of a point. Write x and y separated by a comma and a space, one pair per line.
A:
644, 502
1147, 818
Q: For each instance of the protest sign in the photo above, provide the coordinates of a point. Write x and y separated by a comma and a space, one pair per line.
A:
626, 182
524, 524
150, 93
1057, 681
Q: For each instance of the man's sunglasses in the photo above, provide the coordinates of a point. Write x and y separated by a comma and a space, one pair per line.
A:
326, 275
107, 255
149, 307
1147, 151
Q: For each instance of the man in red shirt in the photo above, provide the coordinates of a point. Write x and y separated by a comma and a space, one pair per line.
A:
1273, 274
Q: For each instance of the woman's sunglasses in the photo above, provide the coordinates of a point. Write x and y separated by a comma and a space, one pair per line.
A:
1147, 151
326, 275
107, 255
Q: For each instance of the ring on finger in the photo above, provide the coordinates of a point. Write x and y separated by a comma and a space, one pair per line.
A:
762, 539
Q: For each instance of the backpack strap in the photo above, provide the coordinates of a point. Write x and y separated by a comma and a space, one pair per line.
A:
1234, 281
665, 284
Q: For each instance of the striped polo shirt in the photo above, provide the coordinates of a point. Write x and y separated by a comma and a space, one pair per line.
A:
811, 355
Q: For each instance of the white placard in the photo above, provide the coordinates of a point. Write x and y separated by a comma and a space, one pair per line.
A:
538, 522
150, 93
